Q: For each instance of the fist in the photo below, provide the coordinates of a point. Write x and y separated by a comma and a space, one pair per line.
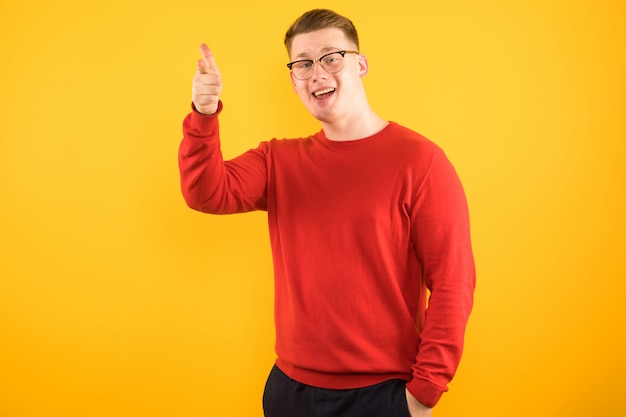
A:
207, 83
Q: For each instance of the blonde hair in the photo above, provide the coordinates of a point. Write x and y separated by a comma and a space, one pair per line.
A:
321, 19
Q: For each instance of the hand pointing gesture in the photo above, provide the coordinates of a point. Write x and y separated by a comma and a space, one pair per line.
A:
207, 83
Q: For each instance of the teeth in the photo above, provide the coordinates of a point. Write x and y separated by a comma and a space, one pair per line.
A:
324, 91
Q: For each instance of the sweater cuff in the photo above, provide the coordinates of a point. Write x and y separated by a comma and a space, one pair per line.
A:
425, 392
218, 111
202, 125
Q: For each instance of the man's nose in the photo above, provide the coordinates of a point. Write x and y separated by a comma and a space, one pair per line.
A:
318, 71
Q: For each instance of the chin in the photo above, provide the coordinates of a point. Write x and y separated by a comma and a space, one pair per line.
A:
326, 115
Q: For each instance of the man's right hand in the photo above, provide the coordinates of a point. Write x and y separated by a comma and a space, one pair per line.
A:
207, 83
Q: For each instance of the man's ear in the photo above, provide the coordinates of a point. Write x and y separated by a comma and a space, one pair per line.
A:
363, 65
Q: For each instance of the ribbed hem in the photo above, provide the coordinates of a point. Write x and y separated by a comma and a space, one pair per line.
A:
335, 381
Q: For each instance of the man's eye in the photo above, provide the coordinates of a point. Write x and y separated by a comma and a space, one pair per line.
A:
304, 64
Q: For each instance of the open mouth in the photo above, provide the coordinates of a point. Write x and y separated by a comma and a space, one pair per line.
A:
325, 91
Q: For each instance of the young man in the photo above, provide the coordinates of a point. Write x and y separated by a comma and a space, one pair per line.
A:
374, 273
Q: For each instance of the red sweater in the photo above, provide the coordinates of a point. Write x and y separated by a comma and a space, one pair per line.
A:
374, 273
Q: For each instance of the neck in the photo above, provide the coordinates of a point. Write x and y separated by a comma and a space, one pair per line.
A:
360, 125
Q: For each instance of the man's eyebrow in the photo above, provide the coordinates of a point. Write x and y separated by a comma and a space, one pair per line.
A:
305, 55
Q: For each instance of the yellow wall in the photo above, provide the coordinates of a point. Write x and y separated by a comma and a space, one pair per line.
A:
117, 300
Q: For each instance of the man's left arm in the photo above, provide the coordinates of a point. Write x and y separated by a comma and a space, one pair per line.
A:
442, 239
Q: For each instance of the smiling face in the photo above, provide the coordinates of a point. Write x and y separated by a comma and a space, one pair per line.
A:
330, 98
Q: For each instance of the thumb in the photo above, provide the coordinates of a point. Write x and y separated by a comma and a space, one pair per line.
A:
207, 63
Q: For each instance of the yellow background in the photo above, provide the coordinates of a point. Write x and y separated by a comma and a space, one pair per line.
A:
118, 300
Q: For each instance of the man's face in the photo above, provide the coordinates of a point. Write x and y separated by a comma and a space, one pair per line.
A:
329, 97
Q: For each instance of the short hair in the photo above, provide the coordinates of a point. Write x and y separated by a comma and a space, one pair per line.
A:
318, 19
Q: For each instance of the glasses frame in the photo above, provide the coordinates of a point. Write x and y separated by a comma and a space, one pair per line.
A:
315, 61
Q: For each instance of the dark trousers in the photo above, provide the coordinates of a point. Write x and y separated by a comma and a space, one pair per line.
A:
285, 397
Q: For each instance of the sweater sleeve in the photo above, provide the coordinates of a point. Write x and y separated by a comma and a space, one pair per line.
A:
212, 185
441, 234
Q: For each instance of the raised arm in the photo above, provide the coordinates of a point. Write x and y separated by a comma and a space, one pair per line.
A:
210, 184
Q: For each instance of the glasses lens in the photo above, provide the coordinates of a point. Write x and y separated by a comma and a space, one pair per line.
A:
302, 69
332, 63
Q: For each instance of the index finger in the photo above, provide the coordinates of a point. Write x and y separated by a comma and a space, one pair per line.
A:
208, 59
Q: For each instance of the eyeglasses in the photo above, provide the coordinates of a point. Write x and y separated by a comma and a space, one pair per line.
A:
331, 62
